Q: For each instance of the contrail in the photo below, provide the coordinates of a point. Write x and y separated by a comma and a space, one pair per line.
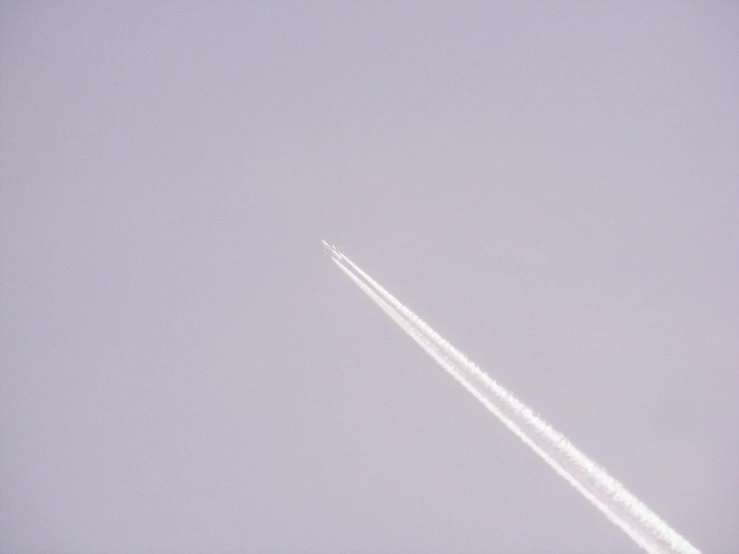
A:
447, 364
603, 491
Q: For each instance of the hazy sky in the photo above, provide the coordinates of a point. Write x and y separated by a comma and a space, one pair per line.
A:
554, 188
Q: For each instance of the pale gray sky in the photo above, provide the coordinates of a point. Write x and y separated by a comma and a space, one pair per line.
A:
554, 188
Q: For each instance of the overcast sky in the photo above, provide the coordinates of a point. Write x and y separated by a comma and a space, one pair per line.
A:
554, 187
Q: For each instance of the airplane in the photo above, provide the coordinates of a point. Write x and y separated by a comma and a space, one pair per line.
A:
330, 249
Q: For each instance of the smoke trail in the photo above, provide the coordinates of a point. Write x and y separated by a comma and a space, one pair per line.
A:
607, 494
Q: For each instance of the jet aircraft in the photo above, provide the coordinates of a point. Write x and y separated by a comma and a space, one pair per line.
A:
330, 249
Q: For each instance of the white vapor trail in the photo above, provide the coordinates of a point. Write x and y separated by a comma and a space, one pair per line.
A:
644, 527
447, 364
